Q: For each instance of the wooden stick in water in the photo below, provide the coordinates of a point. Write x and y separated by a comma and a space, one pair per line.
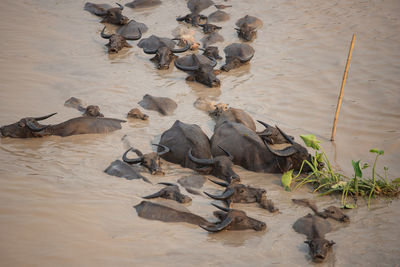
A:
341, 89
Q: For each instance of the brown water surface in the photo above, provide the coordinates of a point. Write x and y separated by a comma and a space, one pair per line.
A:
58, 208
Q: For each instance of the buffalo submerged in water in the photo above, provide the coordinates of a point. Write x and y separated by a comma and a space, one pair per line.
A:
30, 127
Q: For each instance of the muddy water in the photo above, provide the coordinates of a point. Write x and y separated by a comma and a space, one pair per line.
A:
57, 207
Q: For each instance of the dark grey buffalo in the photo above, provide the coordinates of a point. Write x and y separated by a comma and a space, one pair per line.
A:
258, 155
209, 28
240, 193
181, 138
247, 27
212, 52
330, 212
211, 38
231, 219
218, 16
132, 30
91, 110
110, 14
168, 212
237, 55
143, 3
116, 41
150, 160
121, 169
315, 229
200, 69
171, 192
163, 48
163, 105
196, 6
30, 127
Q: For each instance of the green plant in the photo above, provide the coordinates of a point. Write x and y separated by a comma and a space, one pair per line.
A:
326, 181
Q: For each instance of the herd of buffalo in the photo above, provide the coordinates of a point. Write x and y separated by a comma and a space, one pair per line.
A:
235, 140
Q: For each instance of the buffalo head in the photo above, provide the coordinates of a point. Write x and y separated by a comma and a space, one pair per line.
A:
202, 73
246, 32
239, 193
192, 18
272, 135
220, 166
293, 155
114, 16
117, 42
336, 214
26, 127
319, 248
231, 219
171, 192
211, 52
93, 111
164, 55
150, 160
209, 28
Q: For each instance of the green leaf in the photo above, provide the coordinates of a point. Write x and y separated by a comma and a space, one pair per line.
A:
348, 206
287, 179
396, 181
357, 168
311, 141
379, 152
365, 166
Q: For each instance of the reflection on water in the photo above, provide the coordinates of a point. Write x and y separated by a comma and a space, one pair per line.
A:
57, 205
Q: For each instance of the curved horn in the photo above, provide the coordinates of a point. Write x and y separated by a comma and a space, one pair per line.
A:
34, 128
201, 49
266, 125
167, 184
285, 135
105, 36
134, 38
227, 194
165, 151
181, 50
155, 195
45, 117
200, 161
120, 6
286, 152
227, 153
219, 227
219, 183
132, 161
151, 52
221, 208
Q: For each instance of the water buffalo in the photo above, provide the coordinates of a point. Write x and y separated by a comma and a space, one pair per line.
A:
330, 212
258, 155
192, 18
209, 28
231, 219
182, 137
211, 52
218, 16
30, 127
116, 41
133, 30
143, 3
163, 105
211, 38
168, 212
235, 115
315, 229
219, 166
200, 69
248, 26
110, 14
196, 6
135, 113
150, 160
240, 193
91, 110
121, 169
236, 55
171, 192
163, 48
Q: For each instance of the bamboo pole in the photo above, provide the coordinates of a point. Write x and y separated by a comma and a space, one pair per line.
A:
341, 89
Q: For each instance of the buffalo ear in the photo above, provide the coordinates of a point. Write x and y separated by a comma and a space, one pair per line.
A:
331, 243
307, 242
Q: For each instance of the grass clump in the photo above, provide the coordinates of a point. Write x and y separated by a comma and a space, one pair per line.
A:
325, 180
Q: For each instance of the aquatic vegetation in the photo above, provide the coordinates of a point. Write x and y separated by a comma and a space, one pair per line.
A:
325, 180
